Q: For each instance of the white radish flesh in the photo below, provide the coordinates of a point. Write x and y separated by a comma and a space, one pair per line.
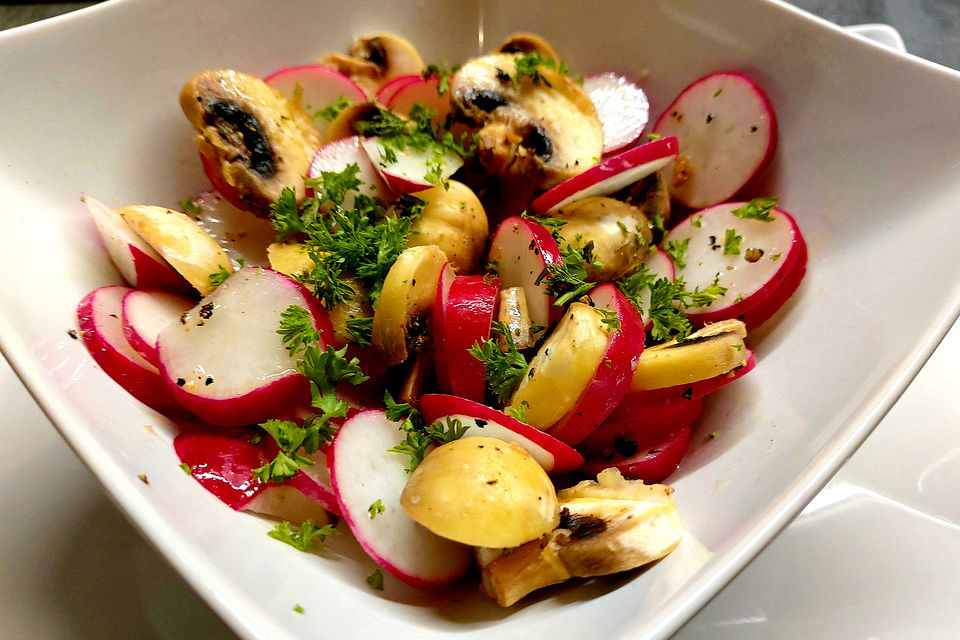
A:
316, 87
727, 132
760, 270
224, 359
337, 156
242, 235
101, 330
623, 109
412, 170
146, 314
520, 250
364, 471
138, 263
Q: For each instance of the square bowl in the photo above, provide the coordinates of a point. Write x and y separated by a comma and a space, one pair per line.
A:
867, 162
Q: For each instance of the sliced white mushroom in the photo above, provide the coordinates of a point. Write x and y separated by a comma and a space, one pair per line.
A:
712, 351
376, 59
515, 315
525, 42
540, 126
607, 526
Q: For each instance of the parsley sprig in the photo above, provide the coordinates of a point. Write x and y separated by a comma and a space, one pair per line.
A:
756, 209
567, 280
503, 369
419, 437
301, 537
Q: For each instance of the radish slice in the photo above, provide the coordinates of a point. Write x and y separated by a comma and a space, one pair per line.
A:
211, 168
101, 329
631, 422
313, 480
242, 235
412, 170
661, 266
760, 271
387, 91
553, 455
424, 91
611, 175
623, 109
223, 460
520, 250
318, 87
146, 314
612, 380
727, 131
363, 471
692, 391
461, 317
227, 385
648, 460
139, 264
337, 156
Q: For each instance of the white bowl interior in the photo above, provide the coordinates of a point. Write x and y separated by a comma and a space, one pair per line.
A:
867, 163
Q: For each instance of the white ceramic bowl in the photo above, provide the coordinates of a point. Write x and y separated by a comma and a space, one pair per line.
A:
867, 163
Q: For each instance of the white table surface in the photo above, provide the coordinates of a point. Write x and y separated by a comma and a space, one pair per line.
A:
875, 555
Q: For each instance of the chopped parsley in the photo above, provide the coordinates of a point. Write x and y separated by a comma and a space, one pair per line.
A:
677, 250
528, 66
519, 413
297, 608
731, 243
218, 278
610, 320
190, 207
361, 330
551, 224
332, 110
419, 436
187, 469
301, 537
756, 209
375, 580
443, 73
697, 222
376, 509
653, 137
503, 369
667, 301
776, 256
567, 280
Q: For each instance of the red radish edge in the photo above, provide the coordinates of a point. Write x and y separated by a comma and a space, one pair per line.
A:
610, 175
612, 380
462, 316
653, 462
435, 406
641, 423
141, 333
390, 89
109, 349
212, 170
690, 391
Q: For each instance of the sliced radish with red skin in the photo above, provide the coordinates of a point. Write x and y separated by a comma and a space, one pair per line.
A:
652, 462
242, 235
313, 481
211, 168
691, 391
211, 376
641, 423
521, 249
101, 330
318, 86
727, 131
611, 175
145, 314
363, 471
461, 317
553, 455
425, 91
412, 168
759, 278
340, 154
222, 460
612, 379
387, 91
139, 263
661, 266
623, 109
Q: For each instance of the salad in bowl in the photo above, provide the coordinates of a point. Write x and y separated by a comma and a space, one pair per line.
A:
470, 312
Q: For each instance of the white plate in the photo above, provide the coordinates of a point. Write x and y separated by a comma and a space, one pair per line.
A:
870, 145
